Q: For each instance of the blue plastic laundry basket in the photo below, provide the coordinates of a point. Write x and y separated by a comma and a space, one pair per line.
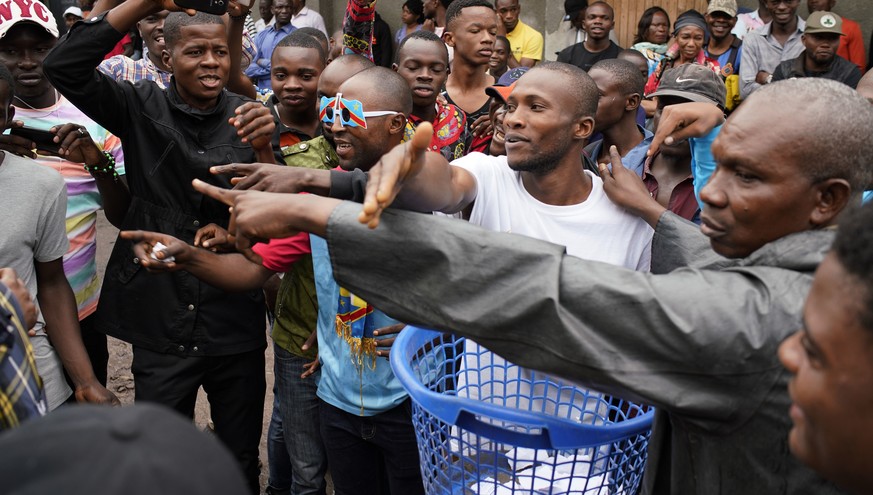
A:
486, 426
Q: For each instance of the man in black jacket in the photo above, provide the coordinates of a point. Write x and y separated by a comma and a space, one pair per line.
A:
185, 333
821, 38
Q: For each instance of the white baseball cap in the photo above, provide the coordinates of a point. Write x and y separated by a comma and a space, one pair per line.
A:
76, 11
35, 12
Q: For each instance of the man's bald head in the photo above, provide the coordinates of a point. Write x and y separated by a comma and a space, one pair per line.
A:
828, 129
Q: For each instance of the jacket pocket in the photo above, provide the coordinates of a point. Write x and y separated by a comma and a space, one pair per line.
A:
163, 157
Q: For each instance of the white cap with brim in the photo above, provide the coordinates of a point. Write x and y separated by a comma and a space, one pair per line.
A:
76, 11
35, 12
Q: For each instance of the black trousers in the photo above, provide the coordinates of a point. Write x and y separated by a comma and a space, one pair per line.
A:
235, 386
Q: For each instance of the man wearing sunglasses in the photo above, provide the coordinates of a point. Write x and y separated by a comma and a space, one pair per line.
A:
366, 117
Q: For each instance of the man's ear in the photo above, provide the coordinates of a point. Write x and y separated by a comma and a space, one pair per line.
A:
449, 39
832, 197
632, 102
167, 59
397, 124
583, 128
394, 67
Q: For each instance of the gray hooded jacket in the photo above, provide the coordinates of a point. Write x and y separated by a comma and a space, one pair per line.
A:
697, 338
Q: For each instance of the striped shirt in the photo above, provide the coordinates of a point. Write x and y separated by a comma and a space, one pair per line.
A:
83, 199
123, 68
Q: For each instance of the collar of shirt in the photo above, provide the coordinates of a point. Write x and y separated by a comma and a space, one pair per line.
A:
180, 104
286, 29
801, 25
303, 13
635, 159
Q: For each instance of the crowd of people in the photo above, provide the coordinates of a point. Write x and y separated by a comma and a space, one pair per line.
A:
679, 223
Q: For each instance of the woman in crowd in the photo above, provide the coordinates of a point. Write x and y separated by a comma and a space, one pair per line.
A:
653, 32
690, 33
412, 18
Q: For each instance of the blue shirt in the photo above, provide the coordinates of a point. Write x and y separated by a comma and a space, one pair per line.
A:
356, 389
265, 42
702, 161
635, 159
724, 58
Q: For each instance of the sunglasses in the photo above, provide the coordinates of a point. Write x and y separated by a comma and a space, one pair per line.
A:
350, 112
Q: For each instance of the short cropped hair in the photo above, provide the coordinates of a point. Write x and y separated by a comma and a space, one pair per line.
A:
609, 7
454, 10
580, 86
318, 34
423, 35
837, 126
297, 39
625, 74
852, 248
177, 20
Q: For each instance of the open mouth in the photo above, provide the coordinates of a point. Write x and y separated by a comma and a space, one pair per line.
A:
210, 81
343, 149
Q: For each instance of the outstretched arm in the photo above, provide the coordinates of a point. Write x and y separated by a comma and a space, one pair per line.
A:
231, 272
418, 180
690, 342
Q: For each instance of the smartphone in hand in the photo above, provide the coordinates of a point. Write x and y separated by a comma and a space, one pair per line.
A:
44, 139
217, 7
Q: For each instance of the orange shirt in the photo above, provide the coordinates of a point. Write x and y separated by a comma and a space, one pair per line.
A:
852, 44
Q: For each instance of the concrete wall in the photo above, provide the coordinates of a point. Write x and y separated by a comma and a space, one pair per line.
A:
546, 15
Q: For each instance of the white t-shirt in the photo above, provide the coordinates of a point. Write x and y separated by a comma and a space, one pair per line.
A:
595, 229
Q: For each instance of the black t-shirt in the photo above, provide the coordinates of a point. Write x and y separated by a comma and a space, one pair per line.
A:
579, 56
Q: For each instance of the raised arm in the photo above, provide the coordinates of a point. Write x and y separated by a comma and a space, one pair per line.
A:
358, 28
72, 65
238, 82
414, 179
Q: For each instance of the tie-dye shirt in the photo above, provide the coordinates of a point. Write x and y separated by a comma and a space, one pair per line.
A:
80, 262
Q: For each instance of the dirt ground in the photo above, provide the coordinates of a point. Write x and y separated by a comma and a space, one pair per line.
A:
121, 379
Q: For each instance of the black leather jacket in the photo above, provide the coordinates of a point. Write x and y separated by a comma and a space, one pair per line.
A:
166, 144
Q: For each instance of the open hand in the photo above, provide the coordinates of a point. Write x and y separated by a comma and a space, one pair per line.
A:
387, 177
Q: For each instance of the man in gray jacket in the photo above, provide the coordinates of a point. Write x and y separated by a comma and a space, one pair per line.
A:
697, 338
